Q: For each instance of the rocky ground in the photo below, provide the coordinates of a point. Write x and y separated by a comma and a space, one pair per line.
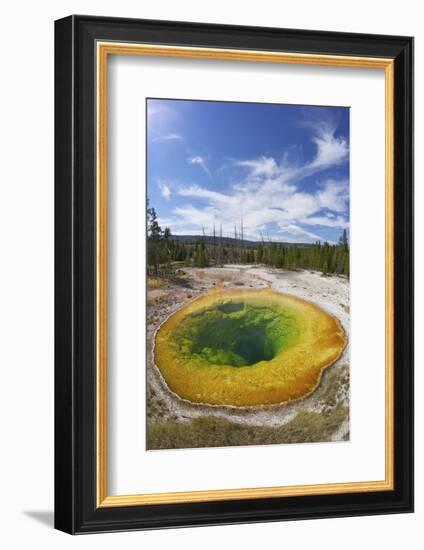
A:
322, 416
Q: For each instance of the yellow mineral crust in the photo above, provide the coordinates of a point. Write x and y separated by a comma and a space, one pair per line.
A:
293, 373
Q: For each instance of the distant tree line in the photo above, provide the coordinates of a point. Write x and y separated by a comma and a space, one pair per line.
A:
165, 253
319, 256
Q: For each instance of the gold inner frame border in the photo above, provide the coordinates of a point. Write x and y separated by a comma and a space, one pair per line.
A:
103, 50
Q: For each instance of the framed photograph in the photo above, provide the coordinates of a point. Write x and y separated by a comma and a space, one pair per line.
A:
234, 274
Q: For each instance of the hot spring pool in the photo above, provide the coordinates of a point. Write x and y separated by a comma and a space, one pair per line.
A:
247, 347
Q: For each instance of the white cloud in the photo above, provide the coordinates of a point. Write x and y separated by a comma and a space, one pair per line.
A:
195, 218
201, 162
195, 191
163, 122
169, 137
327, 221
268, 194
294, 229
165, 190
263, 166
334, 195
331, 150
269, 202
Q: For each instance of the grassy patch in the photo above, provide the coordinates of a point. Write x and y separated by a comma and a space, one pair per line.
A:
306, 427
335, 387
178, 277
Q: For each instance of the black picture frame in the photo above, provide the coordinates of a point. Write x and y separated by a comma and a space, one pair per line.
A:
76, 510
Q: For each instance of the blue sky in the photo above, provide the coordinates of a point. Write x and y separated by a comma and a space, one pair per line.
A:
283, 169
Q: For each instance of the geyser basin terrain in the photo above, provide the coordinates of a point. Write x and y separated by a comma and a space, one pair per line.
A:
247, 347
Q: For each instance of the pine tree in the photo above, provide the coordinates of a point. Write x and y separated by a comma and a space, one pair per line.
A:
154, 234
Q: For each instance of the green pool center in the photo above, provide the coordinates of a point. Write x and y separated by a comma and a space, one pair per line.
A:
236, 333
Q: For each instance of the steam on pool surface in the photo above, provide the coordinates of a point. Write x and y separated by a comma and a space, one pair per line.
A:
247, 347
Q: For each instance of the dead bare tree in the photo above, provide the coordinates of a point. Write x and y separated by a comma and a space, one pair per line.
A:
214, 244
235, 249
220, 262
242, 255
